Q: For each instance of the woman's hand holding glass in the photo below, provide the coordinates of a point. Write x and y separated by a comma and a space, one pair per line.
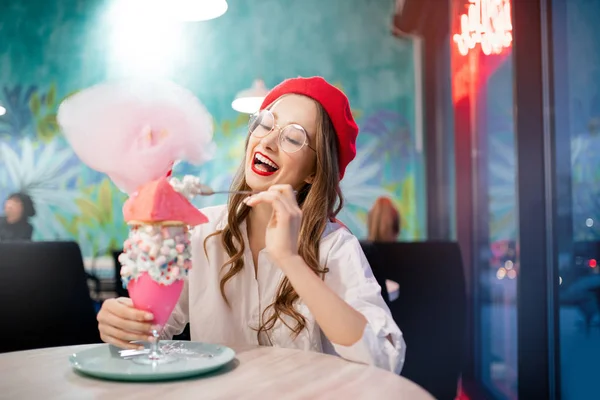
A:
120, 323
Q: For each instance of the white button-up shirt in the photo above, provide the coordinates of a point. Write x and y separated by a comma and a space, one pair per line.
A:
213, 321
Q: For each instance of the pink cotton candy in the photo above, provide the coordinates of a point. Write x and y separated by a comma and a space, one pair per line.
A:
134, 131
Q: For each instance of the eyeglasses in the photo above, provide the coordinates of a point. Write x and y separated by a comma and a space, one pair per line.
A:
292, 137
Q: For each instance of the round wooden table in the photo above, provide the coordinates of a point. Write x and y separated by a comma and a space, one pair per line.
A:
257, 373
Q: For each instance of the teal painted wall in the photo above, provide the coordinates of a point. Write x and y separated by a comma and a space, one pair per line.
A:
51, 49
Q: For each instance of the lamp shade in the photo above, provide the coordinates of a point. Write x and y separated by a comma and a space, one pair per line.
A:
196, 10
248, 101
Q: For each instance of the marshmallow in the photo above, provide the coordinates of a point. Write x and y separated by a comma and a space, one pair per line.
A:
163, 252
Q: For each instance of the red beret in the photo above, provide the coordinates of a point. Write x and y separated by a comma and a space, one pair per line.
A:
335, 103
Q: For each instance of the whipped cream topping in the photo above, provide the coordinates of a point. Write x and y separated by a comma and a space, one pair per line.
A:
189, 186
161, 251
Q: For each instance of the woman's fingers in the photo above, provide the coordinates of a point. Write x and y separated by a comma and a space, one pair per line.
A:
120, 343
124, 336
119, 323
287, 192
143, 328
289, 197
283, 193
273, 198
123, 307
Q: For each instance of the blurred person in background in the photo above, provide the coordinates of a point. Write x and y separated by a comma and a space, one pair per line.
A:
383, 225
383, 221
14, 225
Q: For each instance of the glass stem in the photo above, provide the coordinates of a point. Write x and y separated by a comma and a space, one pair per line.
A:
154, 350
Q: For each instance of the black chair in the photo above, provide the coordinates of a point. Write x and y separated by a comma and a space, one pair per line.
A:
119, 289
430, 310
373, 256
44, 297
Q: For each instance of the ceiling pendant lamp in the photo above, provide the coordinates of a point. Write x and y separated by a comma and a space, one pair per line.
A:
195, 10
248, 101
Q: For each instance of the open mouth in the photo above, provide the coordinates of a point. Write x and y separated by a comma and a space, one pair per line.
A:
263, 165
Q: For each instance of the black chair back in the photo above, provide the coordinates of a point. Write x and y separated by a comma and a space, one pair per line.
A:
430, 310
44, 296
119, 289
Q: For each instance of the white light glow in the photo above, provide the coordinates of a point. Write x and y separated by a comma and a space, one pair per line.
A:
146, 37
589, 222
2, 110
143, 42
501, 273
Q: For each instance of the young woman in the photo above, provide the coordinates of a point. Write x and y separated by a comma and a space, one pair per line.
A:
18, 208
276, 268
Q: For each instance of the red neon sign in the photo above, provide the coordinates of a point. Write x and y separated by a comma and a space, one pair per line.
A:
487, 23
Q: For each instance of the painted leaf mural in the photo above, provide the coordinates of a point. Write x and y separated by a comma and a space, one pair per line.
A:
75, 202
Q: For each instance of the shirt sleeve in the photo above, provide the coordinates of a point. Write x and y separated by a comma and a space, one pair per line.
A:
179, 317
350, 276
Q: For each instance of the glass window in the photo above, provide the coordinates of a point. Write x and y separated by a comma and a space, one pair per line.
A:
496, 239
483, 80
576, 53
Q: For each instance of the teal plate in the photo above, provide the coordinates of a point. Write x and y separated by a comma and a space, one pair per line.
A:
192, 358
